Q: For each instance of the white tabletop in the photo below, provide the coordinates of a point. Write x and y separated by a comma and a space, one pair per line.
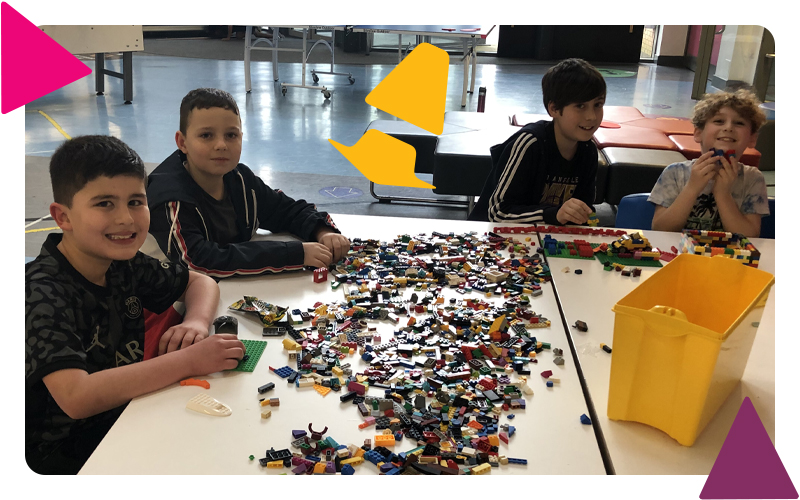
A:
157, 435
636, 448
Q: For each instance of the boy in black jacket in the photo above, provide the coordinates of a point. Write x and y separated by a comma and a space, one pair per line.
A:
546, 171
206, 206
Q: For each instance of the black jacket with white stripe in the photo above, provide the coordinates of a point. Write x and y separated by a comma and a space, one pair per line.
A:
529, 183
179, 212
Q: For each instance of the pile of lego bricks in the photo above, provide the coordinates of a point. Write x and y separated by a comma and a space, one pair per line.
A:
711, 243
472, 348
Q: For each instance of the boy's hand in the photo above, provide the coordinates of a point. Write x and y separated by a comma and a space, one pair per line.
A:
703, 170
316, 255
338, 244
726, 176
182, 336
218, 352
575, 211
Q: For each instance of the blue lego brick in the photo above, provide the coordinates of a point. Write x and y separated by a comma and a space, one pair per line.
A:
511, 430
586, 420
549, 383
298, 434
348, 470
521, 461
283, 372
511, 416
393, 472
373, 456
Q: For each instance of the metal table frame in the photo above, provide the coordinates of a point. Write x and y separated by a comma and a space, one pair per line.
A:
251, 43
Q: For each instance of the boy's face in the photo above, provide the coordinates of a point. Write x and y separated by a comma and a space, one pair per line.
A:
213, 141
578, 121
726, 130
108, 220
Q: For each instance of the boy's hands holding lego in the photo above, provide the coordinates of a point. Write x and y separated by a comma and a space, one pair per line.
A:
726, 176
338, 244
574, 211
703, 170
216, 353
182, 336
316, 255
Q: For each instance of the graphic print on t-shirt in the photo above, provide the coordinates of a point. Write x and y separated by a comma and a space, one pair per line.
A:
557, 190
704, 215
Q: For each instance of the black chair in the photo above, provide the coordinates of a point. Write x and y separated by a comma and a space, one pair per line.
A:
768, 222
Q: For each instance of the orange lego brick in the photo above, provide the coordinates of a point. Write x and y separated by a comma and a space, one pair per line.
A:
321, 389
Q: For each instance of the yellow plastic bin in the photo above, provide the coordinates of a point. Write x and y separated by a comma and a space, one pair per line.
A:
681, 342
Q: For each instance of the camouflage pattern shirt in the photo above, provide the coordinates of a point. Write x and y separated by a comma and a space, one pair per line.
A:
749, 191
73, 323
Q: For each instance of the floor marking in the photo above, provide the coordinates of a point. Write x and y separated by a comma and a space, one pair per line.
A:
56, 125
43, 229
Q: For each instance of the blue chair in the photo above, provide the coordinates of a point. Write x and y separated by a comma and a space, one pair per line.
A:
768, 222
635, 212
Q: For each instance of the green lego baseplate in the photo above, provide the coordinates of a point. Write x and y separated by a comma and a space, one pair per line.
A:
603, 258
253, 349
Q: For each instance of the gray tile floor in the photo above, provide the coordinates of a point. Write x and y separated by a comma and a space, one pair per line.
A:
286, 137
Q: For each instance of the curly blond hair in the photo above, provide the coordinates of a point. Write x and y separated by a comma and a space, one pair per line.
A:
742, 101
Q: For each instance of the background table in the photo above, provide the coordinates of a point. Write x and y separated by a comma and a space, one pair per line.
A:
468, 34
636, 448
156, 434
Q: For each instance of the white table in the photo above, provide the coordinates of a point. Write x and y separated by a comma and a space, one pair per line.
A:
636, 448
156, 434
99, 40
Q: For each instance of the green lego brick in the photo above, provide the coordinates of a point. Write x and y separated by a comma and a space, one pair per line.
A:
254, 349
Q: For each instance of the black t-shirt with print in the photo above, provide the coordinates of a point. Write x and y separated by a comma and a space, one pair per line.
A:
73, 323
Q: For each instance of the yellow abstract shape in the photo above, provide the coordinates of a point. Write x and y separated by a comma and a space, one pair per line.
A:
415, 91
383, 159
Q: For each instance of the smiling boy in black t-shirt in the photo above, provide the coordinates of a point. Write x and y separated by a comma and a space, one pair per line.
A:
84, 297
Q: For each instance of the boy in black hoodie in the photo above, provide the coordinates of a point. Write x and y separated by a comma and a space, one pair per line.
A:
546, 172
206, 206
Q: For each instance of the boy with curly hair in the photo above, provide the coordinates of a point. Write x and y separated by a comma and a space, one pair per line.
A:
716, 191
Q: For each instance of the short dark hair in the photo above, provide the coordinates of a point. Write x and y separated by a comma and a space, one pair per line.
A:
82, 159
204, 99
571, 81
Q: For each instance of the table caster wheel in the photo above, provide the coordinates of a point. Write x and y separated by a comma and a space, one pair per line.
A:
283, 91
327, 94
352, 80
315, 78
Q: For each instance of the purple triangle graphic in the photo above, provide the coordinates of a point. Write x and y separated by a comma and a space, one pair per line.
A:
33, 64
748, 465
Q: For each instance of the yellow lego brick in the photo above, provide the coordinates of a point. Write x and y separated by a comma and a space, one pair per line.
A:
355, 460
319, 468
494, 440
277, 464
291, 345
359, 453
482, 469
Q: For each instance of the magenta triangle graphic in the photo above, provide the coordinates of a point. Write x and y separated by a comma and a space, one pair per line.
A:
33, 63
748, 465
